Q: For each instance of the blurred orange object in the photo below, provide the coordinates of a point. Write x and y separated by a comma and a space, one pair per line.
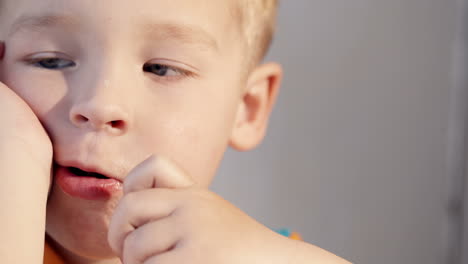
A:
295, 236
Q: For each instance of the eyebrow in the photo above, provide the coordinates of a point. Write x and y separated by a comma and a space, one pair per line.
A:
190, 34
38, 22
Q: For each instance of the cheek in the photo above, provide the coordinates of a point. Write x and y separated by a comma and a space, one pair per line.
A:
192, 129
199, 152
197, 141
187, 139
41, 91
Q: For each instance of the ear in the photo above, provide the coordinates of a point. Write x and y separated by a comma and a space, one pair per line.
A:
255, 107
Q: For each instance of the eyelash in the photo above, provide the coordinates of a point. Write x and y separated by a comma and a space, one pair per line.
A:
147, 67
179, 73
38, 63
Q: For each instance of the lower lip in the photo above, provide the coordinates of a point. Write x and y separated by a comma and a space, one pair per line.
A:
88, 188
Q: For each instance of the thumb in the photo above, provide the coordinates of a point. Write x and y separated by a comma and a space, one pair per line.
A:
156, 172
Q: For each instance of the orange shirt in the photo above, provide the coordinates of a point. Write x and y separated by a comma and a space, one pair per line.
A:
50, 256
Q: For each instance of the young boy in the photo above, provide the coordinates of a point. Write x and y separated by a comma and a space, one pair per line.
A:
115, 116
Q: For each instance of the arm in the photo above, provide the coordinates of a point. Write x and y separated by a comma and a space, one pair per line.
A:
164, 217
23, 202
25, 171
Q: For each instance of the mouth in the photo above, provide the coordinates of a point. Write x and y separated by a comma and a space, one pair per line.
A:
81, 173
90, 170
87, 183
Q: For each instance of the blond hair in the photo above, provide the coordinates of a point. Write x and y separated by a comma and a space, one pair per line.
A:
258, 23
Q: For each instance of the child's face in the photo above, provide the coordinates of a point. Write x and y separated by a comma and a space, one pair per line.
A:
115, 81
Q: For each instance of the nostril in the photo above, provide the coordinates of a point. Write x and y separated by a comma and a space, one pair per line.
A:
119, 124
81, 119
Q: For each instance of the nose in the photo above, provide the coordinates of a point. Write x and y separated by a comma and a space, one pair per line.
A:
100, 114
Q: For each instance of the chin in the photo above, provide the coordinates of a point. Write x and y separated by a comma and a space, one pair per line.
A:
78, 228
89, 249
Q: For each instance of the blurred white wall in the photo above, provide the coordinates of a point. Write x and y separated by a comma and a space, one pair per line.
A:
356, 154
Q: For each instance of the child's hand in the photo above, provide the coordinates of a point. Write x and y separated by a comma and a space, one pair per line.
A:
165, 218
25, 171
22, 133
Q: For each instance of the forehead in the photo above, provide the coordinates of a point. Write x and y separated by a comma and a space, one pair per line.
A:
209, 22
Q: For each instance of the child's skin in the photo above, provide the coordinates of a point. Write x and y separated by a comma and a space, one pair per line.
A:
161, 131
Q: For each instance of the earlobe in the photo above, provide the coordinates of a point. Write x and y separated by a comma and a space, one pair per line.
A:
256, 105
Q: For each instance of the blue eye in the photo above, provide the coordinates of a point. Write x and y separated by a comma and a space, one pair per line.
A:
53, 63
162, 70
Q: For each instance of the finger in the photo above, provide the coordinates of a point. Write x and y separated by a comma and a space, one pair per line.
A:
156, 172
150, 240
136, 209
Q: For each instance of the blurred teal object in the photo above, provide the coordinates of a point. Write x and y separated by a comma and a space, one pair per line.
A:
284, 231
287, 233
